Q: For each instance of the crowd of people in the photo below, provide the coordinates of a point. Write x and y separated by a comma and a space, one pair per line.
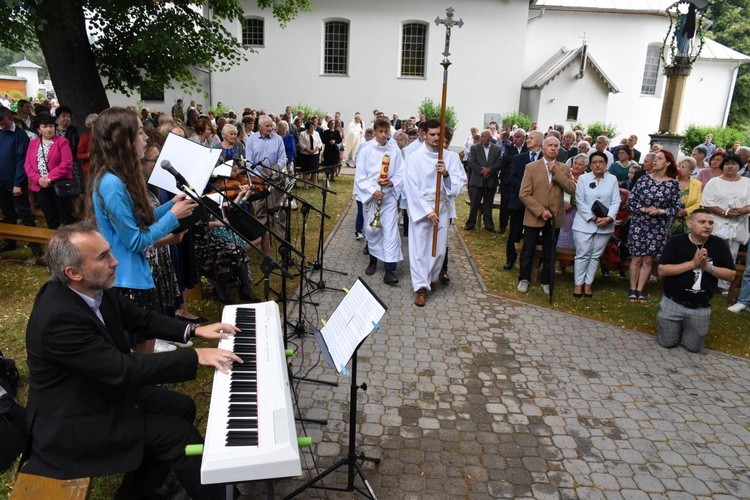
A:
557, 186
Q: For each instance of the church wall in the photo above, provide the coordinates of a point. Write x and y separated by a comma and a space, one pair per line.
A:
707, 89
288, 70
589, 94
619, 44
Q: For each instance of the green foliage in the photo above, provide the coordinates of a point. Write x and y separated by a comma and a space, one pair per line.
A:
309, 111
138, 42
595, 129
523, 120
731, 26
431, 109
724, 137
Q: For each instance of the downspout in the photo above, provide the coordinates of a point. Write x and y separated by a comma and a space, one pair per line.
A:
730, 94
536, 18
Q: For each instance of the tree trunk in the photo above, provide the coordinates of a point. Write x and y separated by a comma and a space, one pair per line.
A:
72, 66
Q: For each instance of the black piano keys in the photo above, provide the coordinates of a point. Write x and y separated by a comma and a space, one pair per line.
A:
242, 426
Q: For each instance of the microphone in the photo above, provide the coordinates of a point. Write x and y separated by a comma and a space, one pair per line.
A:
245, 161
167, 165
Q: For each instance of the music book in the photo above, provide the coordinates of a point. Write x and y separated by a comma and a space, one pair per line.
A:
356, 316
194, 161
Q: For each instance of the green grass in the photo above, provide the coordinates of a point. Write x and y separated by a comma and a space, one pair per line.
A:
20, 282
728, 332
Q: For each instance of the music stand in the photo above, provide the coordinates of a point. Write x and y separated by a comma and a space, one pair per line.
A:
340, 339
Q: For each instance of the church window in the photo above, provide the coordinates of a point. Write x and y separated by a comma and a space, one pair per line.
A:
413, 49
253, 32
651, 71
336, 49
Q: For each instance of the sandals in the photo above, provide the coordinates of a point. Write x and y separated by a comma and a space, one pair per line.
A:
633, 295
642, 297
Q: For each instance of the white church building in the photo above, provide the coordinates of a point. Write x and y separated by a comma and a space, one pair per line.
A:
510, 55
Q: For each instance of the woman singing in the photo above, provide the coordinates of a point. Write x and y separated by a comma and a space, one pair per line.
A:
121, 205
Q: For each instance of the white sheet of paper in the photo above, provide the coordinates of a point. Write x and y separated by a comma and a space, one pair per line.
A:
223, 170
194, 161
351, 322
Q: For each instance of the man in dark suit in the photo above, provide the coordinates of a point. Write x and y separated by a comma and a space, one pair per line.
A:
517, 147
544, 182
515, 207
484, 165
632, 141
396, 122
93, 409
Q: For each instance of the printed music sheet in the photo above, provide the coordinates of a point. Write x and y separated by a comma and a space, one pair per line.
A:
194, 161
356, 316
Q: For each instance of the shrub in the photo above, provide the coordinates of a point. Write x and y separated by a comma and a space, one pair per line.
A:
432, 110
523, 120
595, 129
309, 111
724, 137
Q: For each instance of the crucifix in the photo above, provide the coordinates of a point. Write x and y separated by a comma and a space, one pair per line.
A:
449, 23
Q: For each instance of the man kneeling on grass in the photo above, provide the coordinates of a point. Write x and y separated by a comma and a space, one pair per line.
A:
691, 266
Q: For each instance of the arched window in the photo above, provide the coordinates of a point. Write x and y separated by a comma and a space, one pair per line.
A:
413, 49
651, 70
253, 31
336, 48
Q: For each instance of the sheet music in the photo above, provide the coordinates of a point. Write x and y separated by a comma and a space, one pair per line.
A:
194, 161
352, 321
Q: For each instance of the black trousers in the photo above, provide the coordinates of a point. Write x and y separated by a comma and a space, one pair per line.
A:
481, 197
530, 238
504, 211
58, 211
515, 233
169, 428
17, 207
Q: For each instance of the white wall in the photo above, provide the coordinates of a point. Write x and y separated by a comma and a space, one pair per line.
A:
619, 42
288, 69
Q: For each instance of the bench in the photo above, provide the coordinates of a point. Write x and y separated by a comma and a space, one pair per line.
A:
25, 233
734, 288
565, 256
31, 487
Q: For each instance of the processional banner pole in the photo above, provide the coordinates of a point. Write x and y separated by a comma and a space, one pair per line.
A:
448, 22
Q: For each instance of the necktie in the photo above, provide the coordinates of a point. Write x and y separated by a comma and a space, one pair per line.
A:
533, 156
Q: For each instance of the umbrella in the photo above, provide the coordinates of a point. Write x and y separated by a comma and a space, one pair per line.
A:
552, 259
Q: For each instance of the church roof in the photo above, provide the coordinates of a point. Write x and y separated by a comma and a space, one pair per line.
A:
559, 63
608, 5
716, 51
25, 63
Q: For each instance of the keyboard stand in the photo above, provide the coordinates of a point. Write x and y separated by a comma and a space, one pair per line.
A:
352, 460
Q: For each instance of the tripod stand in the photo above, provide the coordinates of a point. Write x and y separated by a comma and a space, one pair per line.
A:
352, 458
318, 263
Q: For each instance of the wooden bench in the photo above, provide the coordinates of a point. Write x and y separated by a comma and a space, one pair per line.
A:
31, 487
734, 288
25, 233
565, 256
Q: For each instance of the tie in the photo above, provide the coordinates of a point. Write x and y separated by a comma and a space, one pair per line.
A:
533, 156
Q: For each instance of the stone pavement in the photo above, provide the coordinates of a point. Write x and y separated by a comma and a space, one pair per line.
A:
476, 396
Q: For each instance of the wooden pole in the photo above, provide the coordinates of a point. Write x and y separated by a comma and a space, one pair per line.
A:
449, 22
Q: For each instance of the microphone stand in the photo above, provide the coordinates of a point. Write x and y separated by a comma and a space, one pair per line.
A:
318, 263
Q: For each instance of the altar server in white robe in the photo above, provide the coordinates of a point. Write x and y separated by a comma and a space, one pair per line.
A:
422, 170
384, 243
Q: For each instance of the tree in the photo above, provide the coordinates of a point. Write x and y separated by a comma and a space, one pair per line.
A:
131, 43
731, 27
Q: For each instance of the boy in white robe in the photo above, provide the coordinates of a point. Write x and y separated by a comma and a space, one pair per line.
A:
384, 243
420, 179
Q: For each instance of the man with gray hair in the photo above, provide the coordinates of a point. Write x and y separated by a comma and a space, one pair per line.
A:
602, 145
266, 151
744, 153
96, 407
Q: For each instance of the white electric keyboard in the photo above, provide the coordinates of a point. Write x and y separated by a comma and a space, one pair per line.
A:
250, 433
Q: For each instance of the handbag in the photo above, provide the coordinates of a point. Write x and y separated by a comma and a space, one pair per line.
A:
64, 188
599, 209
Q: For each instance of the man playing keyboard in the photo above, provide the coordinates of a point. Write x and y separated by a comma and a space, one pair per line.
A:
93, 408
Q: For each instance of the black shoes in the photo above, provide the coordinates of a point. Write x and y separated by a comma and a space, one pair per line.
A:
389, 278
509, 265
371, 268
8, 247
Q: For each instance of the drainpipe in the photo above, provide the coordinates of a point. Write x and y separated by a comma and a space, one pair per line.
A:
536, 18
730, 95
